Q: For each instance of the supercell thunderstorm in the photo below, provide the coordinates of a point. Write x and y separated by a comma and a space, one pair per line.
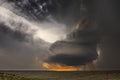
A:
34, 23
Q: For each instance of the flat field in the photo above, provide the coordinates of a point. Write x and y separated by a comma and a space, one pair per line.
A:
52, 75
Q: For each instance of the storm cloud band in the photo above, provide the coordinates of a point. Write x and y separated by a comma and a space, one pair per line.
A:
73, 59
79, 48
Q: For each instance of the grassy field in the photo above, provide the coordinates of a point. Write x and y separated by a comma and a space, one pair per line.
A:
50, 75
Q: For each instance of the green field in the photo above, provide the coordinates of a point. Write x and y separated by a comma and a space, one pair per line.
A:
50, 75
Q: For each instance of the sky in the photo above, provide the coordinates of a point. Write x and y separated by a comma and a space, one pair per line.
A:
52, 34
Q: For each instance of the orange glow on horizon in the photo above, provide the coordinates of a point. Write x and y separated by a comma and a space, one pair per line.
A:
58, 67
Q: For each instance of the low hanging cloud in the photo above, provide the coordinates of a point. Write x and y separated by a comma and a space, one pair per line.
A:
79, 48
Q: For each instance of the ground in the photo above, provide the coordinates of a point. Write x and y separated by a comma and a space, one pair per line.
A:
50, 75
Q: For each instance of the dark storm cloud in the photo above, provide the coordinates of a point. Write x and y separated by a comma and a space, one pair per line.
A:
73, 60
107, 15
79, 48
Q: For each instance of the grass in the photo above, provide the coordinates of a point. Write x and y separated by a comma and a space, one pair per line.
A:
48, 75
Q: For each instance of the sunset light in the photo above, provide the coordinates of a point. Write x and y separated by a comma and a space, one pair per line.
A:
58, 67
